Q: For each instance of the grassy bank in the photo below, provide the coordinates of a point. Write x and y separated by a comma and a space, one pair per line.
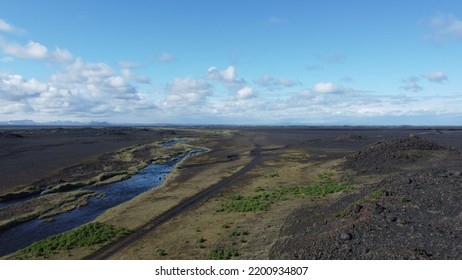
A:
84, 236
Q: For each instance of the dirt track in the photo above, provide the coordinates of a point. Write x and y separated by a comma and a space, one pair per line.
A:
107, 251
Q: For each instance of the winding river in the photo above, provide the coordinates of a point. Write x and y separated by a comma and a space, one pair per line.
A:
28, 232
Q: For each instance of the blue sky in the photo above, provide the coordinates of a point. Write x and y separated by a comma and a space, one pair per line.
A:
232, 62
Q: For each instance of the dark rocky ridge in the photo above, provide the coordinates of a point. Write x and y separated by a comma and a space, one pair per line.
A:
390, 154
412, 213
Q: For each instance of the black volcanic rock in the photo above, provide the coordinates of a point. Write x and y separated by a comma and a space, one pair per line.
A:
388, 154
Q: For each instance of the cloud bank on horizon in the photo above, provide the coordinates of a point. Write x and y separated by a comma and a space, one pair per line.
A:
213, 63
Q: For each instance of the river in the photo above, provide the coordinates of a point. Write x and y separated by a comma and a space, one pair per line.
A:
28, 232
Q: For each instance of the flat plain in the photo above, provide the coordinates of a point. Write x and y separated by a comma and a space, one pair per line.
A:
253, 193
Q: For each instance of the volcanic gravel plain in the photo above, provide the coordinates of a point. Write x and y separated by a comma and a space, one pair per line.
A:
253, 193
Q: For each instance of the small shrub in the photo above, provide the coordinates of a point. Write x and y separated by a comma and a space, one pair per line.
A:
238, 233
274, 175
223, 253
160, 252
326, 176
350, 208
377, 194
259, 189
240, 203
200, 240
404, 199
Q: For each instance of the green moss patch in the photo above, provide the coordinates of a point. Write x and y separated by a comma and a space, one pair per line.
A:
83, 236
262, 201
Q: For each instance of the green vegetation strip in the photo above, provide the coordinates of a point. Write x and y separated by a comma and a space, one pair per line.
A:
359, 203
350, 208
223, 253
262, 202
83, 236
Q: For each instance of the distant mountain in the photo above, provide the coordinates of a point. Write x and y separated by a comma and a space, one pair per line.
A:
63, 123
19, 122
52, 123
93, 123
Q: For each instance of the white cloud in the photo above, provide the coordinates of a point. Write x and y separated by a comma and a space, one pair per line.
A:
94, 90
274, 83
17, 88
437, 77
7, 27
265, 81
80, 71
79, 89
134, 77
327, 88
227, 75
35, 50
4, 26
32, 49
445, 27
309, 107
245, 93
186, 92
411, 85
62, 55
12, 108
165, 57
